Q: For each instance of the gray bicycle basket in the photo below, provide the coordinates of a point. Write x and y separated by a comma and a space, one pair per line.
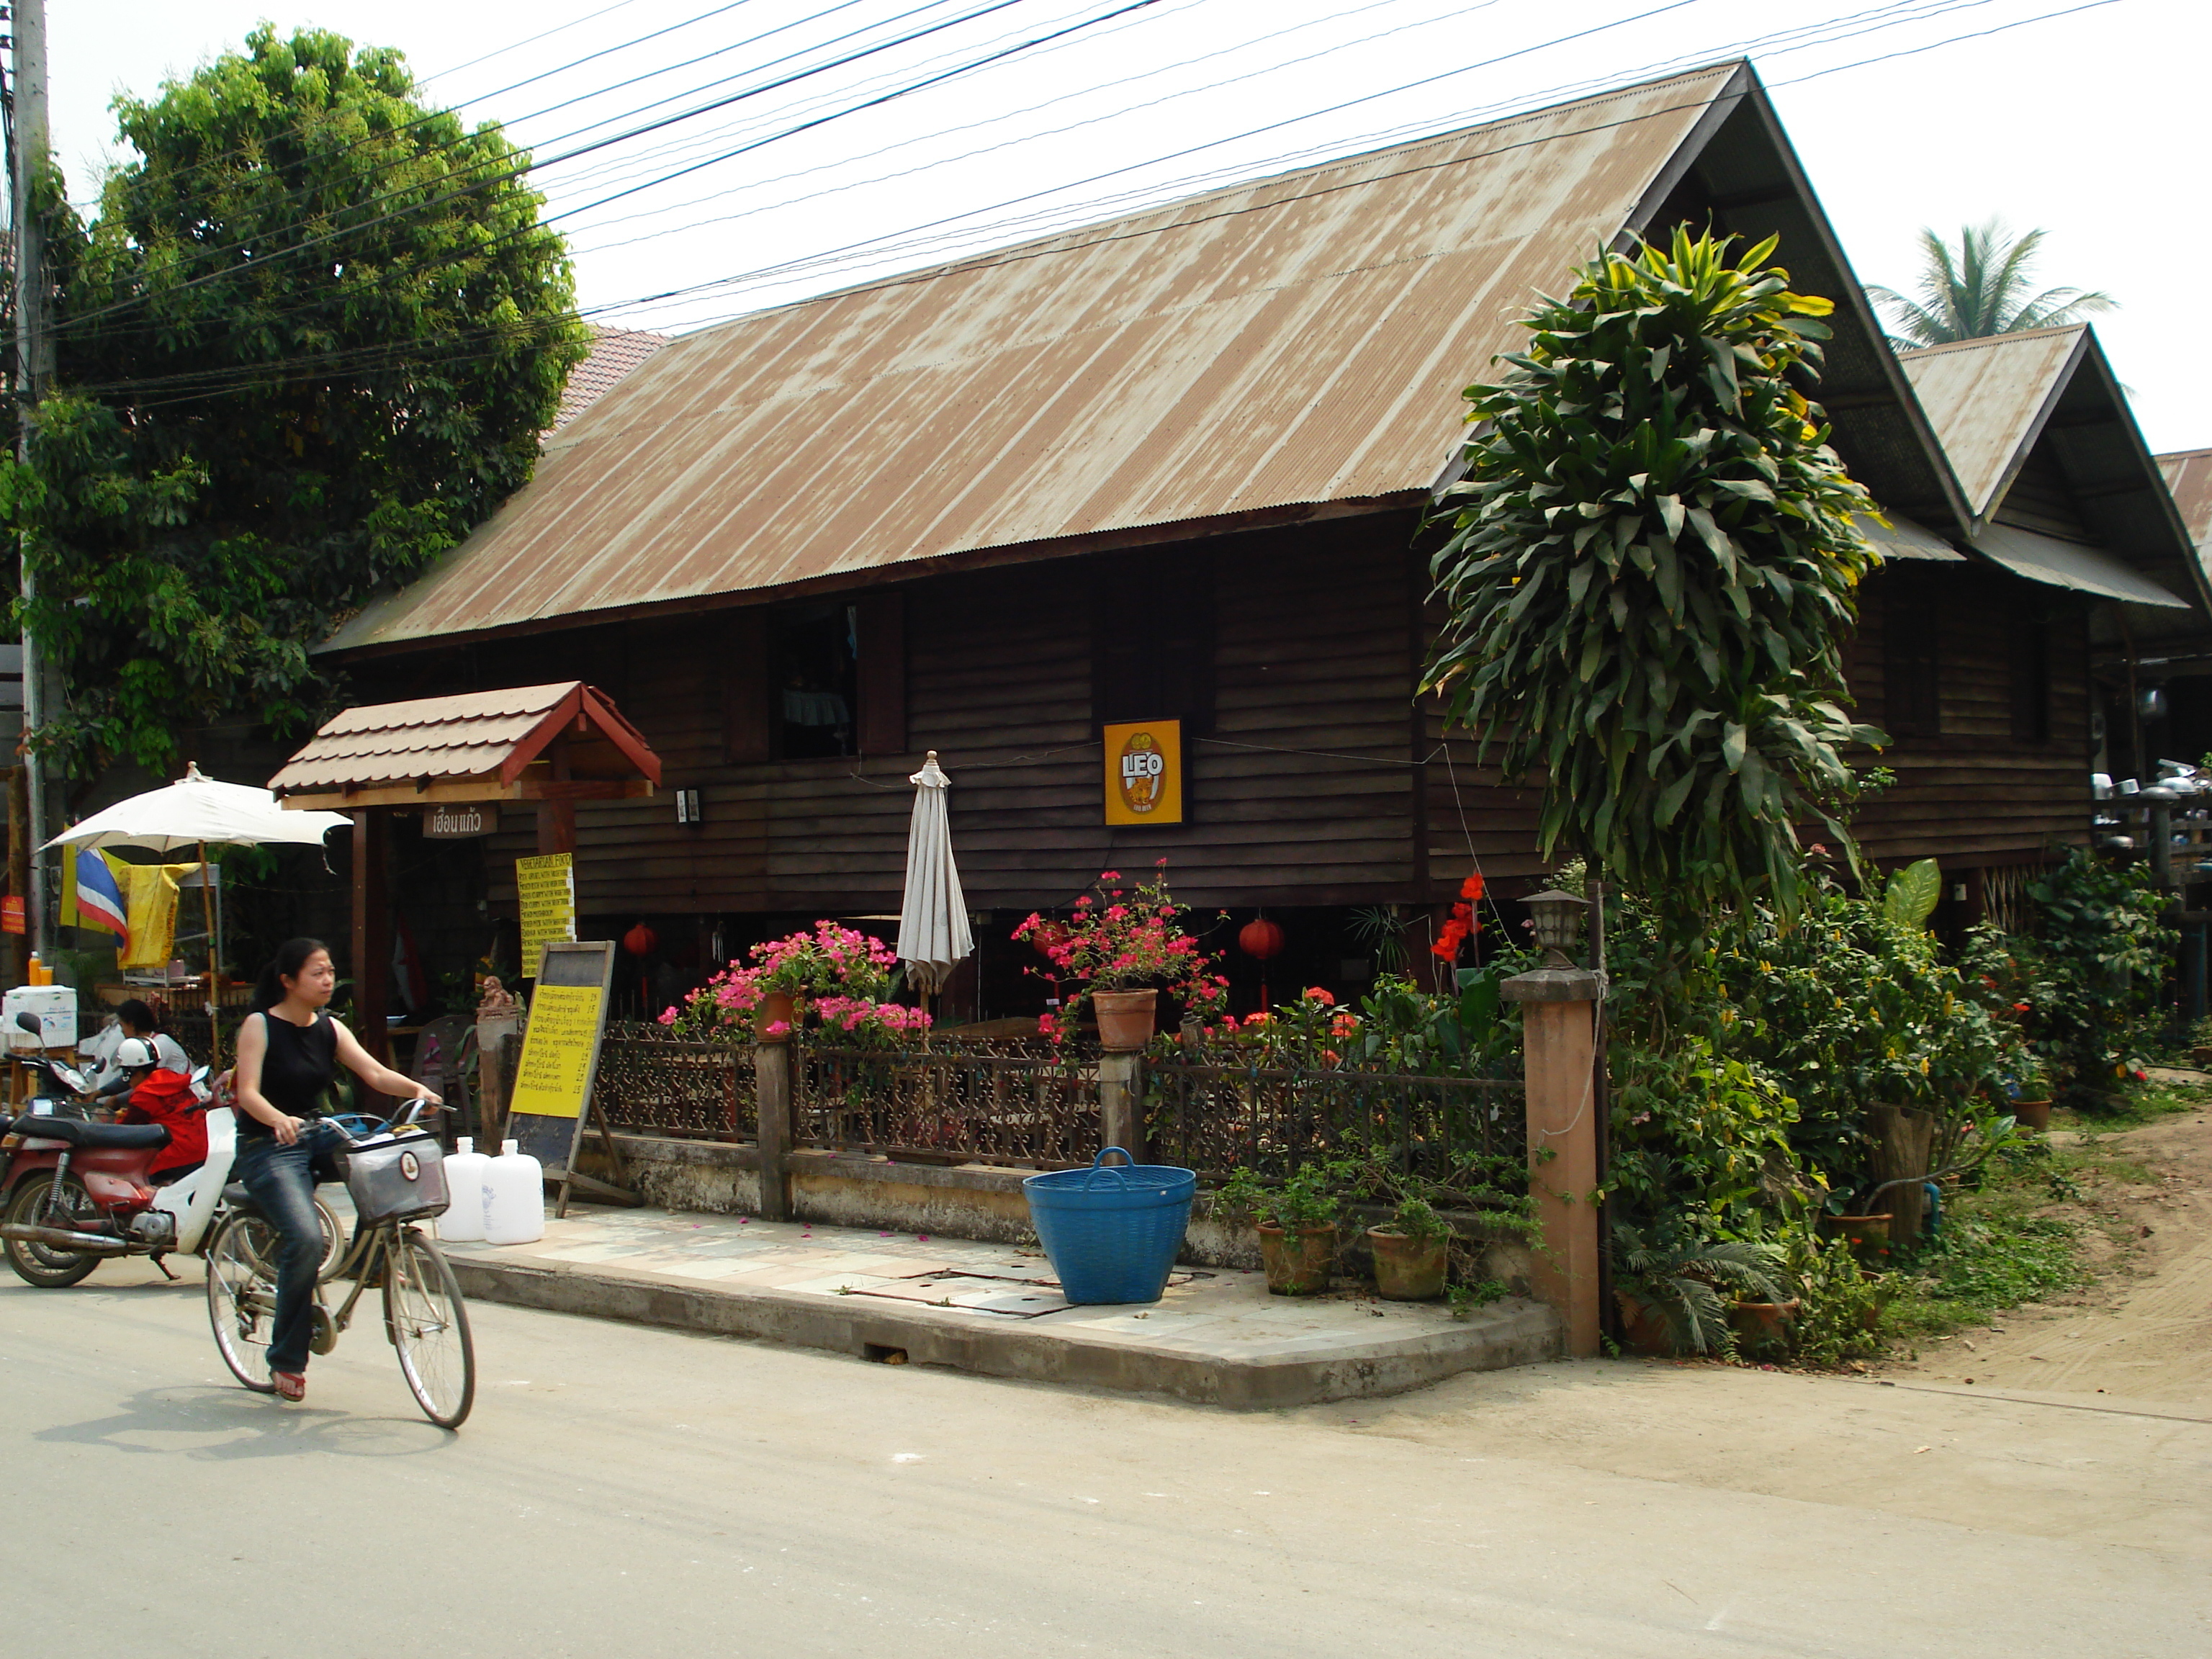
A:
402, 1178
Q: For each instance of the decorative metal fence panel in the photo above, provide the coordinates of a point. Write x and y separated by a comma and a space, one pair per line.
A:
1217, 1119
650, 1082
956, 1105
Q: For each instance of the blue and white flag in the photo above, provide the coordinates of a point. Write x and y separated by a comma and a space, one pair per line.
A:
98, 899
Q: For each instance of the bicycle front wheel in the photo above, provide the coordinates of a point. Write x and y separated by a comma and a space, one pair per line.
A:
428, 1324
242, 1290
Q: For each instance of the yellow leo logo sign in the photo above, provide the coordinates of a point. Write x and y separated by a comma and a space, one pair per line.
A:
1143, 772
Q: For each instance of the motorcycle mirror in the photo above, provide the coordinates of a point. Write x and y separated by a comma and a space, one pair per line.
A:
30, 1022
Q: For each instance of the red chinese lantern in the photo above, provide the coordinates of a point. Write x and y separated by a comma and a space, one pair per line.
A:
640, 941
1047, 937
1261, 939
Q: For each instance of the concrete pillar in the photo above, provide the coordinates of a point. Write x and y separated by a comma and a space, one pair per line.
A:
772, 1095
1559, 1038
1121, 1101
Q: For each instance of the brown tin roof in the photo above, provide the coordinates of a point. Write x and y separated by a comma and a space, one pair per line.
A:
490, 737
2189, 475
1291, 343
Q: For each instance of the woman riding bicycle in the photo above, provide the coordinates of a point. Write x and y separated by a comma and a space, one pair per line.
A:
288, 1053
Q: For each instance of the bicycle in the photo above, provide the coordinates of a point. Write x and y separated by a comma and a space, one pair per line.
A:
425, 1318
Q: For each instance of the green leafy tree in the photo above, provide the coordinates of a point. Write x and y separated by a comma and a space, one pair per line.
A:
1979, 289
1651, 571
306, 341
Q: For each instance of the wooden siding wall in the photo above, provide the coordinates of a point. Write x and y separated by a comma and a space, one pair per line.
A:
1975, 795
1301, 793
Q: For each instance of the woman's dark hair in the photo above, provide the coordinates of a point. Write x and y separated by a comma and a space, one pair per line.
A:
138, 1016
291, 958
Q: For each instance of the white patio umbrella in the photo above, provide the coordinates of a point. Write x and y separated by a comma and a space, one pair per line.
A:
933, 935
197, 812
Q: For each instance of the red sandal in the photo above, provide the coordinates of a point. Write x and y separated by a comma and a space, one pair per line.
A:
290, 1385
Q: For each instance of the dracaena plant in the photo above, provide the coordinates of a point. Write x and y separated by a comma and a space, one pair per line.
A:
1651, 571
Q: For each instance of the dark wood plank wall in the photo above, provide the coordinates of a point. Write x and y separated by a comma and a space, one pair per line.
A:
1976, 794
1301, 792
1317, 784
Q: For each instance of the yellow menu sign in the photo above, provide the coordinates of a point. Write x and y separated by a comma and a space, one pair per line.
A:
558, 1047
1143, 772
547, 889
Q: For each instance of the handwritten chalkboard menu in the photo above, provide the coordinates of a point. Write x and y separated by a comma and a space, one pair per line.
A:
561, 1055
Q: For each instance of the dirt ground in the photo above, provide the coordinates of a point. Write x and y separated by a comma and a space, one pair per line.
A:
2089, 1419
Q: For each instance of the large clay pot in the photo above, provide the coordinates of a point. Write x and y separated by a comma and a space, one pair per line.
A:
1408, 1269
1868, 1234
1299, 1262
1763, 1324
1126, 1019
2032, 1113
775, 1005
1644, 1328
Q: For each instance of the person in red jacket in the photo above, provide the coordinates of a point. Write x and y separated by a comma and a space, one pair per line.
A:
163, 1096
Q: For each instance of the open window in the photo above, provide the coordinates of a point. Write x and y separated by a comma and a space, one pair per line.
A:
2028, 646
814, 655
1912, 687
1152, 638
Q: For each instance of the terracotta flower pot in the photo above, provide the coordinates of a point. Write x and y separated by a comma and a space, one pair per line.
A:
775, 1005
1644, 1328
1758, 1324
2032, 1113
1868, 1234
1408, 1269
1297, 1263
1126, 1019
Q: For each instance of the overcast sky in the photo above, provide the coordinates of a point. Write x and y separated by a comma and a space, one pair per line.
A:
2089, 124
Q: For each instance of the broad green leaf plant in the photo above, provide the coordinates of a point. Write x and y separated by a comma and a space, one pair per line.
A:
1651, 573
1913, 893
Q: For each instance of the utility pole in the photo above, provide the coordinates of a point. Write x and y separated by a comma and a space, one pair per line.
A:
34, 364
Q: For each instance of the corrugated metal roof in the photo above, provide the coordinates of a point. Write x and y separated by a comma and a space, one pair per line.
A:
615, 352
443, 739
1300, 340
2057, 563
2189, 475
1986, 400
1905, 538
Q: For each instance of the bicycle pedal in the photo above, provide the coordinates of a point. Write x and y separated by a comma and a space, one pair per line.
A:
325, 1335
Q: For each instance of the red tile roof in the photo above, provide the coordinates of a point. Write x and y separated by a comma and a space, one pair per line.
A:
615, 353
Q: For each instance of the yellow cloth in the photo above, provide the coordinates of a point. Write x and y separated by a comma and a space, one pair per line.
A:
149, 899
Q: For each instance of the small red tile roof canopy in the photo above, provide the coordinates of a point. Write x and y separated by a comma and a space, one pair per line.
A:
563, 741
615, 353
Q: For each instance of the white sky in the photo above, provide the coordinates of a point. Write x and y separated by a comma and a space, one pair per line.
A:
2089, 124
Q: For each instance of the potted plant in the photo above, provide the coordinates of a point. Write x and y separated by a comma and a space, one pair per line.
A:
1121, 946
1296, 1224
830, 962
1411, 1251
1670, 1290
2031, 1105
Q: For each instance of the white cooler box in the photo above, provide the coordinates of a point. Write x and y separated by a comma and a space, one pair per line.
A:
55, 1008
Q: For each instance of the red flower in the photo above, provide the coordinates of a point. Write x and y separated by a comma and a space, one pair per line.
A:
1316, 994
2022, 1008
1470, 889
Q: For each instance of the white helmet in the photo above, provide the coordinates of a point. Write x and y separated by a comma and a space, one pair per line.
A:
133, 1052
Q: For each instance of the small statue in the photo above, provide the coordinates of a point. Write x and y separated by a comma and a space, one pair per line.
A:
496, 999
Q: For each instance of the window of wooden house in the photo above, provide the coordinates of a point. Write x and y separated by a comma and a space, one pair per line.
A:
1152, 638
2028, 643
814, 653
1912, 685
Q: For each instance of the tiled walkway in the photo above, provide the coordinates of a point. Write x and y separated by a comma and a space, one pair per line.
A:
1217, 1335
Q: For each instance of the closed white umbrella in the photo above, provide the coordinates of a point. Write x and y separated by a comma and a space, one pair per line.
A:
195, 813
933, 935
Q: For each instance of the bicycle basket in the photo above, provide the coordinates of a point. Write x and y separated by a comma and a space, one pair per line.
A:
399, 1179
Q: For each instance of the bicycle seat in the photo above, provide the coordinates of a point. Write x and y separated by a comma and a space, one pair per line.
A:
238, 1198
96, 1137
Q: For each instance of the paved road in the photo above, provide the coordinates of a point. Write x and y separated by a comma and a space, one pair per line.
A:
624, 1491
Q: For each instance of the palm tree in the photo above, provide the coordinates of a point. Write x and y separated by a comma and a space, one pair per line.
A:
1979, 290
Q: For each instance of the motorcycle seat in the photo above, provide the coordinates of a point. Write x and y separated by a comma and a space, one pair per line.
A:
95, 1137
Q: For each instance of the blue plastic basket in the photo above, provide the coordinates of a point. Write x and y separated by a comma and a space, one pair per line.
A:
1112, 1230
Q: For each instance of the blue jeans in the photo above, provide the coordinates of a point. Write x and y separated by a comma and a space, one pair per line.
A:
282, 1181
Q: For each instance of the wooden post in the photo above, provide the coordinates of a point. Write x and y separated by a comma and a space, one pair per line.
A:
1902, 1141
372, 932
772, 1096
1120, 1090
18, 869
1559, 1038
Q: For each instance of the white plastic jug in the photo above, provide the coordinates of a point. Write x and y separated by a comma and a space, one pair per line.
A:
513, 1197
462, 1222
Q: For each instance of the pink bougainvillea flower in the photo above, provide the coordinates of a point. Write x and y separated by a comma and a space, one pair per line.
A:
779, 1028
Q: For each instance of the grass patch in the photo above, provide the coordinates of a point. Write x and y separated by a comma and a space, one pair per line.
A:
2140, 1106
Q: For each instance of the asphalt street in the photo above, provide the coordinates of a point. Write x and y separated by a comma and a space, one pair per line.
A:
622, 1490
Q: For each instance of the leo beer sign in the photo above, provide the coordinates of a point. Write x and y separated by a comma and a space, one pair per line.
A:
1143, 772
459, 823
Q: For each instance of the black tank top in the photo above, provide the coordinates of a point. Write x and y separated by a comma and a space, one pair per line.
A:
296, 1069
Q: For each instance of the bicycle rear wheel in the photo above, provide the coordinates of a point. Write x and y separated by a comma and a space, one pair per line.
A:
242, 1290
428, 1324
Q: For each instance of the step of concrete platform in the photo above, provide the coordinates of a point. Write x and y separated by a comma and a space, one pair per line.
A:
1215, 1338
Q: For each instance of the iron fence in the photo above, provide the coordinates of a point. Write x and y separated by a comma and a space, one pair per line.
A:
650, 1082
947, 1104
1218, 1119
